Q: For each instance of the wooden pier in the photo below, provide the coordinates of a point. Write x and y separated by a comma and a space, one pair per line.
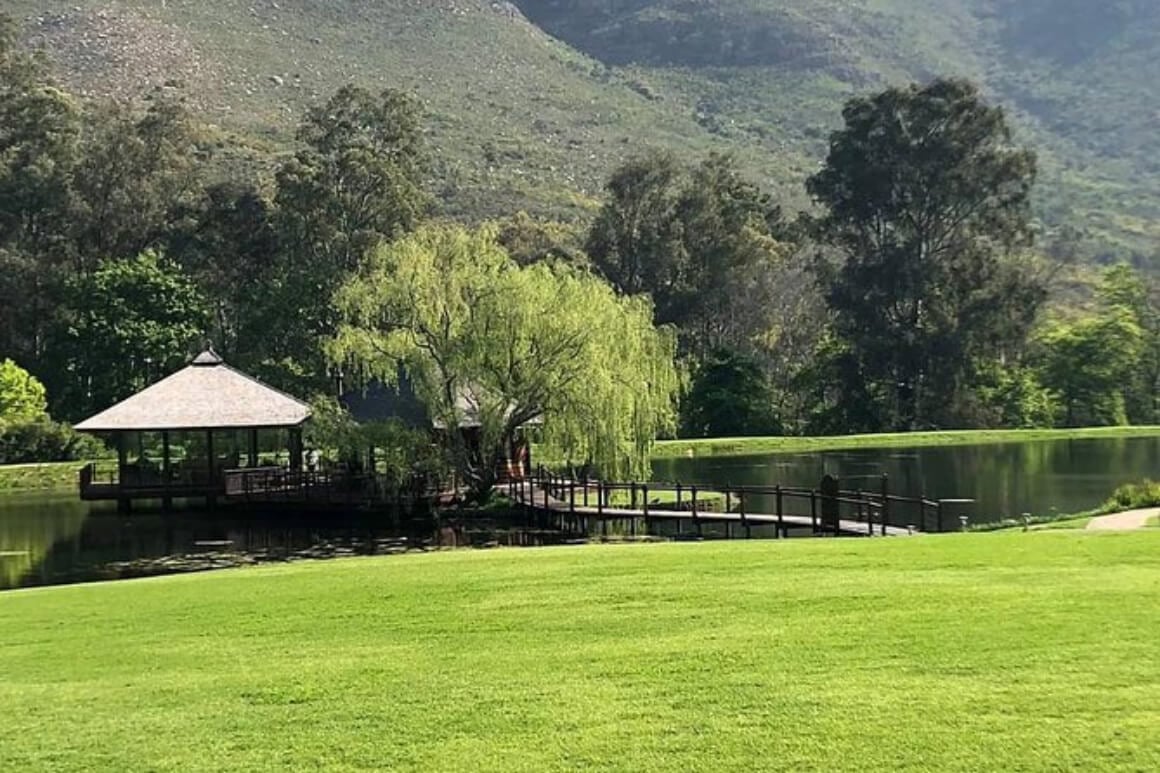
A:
599, 508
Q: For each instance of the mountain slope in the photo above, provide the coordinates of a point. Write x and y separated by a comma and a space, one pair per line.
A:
532, 111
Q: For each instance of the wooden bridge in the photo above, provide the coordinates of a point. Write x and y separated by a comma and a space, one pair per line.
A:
599, 508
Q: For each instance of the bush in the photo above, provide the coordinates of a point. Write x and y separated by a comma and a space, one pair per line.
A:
1135, 496
44, 440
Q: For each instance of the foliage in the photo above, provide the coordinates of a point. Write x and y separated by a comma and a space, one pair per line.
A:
129, 322
488, 342
1057, 665
729, 397
355, 182
400, 451
926, 203
44, 440
1124, 288
1135, 496
530, 240
688, 237
22, 396
1014, 397
1087, 362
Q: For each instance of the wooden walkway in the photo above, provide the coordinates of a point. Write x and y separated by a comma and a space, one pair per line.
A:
564, 502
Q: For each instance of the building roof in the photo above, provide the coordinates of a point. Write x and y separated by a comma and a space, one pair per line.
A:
206, 394
380, 402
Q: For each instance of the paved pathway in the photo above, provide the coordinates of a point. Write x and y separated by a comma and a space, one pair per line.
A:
1133, 519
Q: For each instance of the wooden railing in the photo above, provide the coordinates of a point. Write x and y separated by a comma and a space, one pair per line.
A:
824, 509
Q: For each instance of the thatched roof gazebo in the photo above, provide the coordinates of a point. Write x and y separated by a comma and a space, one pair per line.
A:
215, 411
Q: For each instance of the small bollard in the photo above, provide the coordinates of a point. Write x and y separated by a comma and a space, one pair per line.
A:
963, 522
1027, 522
910, 529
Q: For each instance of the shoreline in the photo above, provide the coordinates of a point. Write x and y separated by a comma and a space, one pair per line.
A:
742, 446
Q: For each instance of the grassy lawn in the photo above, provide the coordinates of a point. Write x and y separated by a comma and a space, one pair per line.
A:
39, 477
970, 652
668, 449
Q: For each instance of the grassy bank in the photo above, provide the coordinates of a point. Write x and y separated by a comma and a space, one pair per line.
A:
969, 652
670, 449
39, 477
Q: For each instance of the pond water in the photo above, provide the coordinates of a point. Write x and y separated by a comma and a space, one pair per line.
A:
47, 539
55, 538
1004, 479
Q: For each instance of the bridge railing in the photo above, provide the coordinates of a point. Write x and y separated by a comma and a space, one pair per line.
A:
878, 510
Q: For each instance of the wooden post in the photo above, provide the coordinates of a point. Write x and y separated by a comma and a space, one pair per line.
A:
678, 497
728, 499
744, 519
860, 503
814, 510
632, 495
644, 496
211, 499
252, 460
166, 473
885, 502
123, 505
696, 519
572, 497
600, 498
780, 514
831, 507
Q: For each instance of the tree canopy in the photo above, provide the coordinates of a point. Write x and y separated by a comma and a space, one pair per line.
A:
22, 397
927, 204
487, 341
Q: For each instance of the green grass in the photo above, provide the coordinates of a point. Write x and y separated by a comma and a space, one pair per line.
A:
972, 652
671, 449
1153, 522
39, 477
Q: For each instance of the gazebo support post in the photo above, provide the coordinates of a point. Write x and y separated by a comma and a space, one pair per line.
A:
166, 474
211, 489
252, 461
296, 449
122, 462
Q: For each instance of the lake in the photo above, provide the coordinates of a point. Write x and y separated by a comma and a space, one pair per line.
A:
1004, 479
54, 538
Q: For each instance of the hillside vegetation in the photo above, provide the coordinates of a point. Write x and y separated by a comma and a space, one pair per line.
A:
531, 104
999, 652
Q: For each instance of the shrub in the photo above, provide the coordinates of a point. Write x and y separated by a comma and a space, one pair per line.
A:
44, 440
1134, 496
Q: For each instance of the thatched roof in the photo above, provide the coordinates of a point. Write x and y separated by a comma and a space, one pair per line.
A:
206, 394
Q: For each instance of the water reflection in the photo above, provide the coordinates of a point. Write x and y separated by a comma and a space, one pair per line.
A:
1005, 479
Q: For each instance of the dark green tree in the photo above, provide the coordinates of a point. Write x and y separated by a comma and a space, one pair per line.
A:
687, 237
357, 181
39, 133
730, 397
135, 175
927, 205
128, 322
228, 244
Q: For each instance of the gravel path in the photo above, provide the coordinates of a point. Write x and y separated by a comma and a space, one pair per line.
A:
1133, 519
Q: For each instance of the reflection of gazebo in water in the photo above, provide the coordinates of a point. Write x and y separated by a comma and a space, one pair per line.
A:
185, 435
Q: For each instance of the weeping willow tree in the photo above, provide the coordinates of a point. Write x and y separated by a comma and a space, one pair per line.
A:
490, 344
